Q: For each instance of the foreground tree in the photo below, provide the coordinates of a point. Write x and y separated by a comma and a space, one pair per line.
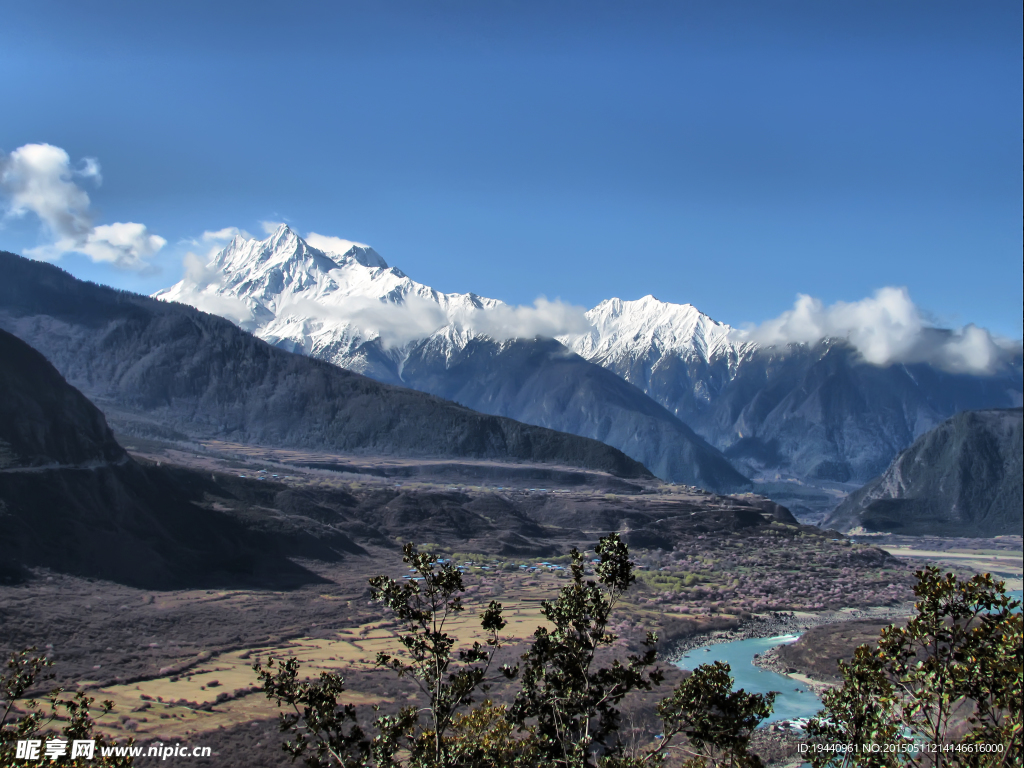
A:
323, 732
716, 721
59, 721
943, 690
327, 733
424, 605
566, 713
567, 700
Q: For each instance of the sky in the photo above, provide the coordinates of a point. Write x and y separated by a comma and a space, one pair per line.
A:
732, 155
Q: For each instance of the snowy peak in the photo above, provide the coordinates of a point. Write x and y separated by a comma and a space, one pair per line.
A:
631, 329
286, 254
262, 269
344, 251
365, 255
326, 298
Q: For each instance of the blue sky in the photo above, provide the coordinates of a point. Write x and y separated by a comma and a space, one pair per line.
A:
730, 155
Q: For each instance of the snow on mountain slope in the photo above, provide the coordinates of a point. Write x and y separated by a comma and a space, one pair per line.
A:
675, 353
817, 413
323, 304
630, 329
330, 304
814, 412
355, 311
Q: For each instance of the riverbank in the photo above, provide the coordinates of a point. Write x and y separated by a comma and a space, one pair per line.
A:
782, 623
777, 742
811, 660
771, 661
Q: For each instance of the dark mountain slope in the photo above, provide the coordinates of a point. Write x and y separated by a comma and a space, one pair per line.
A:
72, 500
818, 412
541, 382
963, 478
147, 360
42, 420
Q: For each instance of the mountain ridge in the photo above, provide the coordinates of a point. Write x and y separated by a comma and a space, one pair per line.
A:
44, 423
812, 413
962, 478
73, 500
202, 375
311, 301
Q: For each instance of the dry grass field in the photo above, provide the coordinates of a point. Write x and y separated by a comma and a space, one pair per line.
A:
220, 691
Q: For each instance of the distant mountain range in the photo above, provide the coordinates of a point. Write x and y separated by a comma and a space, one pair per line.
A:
811, 412
353, 310
963, 478
168, 370
664, 383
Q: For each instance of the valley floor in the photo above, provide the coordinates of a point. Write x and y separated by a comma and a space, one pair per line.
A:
177, 664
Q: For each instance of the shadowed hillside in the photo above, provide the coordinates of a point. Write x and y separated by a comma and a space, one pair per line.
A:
540, 382
43, 421
166, 368
963, 478
72, 500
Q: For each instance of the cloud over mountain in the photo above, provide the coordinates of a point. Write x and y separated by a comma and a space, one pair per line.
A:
198, 278
223, 235
39, 179
371, 299
885, 328
395, 324
330, 244
545, 318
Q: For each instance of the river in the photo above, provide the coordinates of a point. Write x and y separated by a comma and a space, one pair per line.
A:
793, 701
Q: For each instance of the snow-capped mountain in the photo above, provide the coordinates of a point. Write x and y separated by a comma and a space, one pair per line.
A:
327, 305
355, 311
646, 340
624, 330
814, 413
664, 383
331, 305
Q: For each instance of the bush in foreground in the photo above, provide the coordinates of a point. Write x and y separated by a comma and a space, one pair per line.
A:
58, 720
943, 690
566, 713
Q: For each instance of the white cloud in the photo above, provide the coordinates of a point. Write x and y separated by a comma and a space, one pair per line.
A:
270, 227
222, 235
39, 179
329, 244
126, 244
886, 328
545, 318
417, 318
198, 274
200, 289
90, 169
396, 324
228, 307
